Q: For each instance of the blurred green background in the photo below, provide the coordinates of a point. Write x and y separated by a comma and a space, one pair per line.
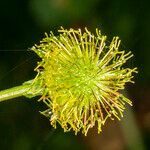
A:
23, 23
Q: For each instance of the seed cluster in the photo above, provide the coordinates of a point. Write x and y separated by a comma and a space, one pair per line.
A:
82, 76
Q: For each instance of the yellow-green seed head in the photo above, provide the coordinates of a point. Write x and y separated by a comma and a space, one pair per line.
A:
82, 76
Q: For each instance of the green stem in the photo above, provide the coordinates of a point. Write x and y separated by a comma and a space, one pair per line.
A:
14, 92
26, 89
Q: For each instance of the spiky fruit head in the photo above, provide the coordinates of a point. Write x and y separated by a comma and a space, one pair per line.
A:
82, 77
